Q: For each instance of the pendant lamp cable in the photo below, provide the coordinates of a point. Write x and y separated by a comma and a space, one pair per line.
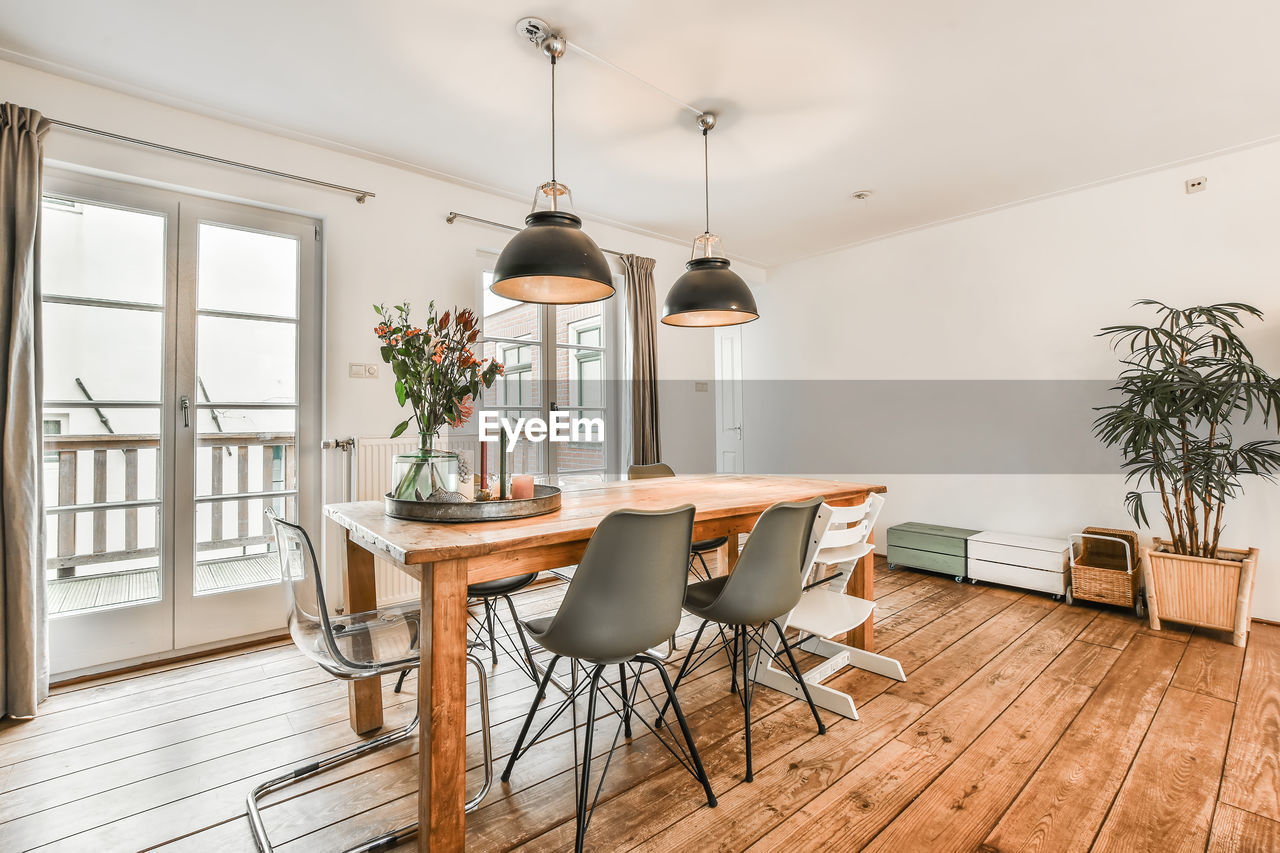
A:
553, 118
706, 179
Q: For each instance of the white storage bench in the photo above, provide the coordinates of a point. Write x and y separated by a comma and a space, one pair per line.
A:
1028, 562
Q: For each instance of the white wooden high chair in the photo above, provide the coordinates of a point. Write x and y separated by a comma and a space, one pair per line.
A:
839, 540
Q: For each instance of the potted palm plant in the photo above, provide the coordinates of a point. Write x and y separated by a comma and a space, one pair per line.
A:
1188, 382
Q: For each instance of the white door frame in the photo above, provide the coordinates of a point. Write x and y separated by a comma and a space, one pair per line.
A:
108, 638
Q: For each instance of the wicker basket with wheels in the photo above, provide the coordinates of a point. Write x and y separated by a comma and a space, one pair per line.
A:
1105, 567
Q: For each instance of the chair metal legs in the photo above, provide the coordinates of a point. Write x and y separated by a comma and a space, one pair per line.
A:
627, 690
390, 839
737, 649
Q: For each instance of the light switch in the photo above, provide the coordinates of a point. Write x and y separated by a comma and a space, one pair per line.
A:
701, 386
355, 371
371, 371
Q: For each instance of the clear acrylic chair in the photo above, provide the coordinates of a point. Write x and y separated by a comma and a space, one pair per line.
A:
358, 645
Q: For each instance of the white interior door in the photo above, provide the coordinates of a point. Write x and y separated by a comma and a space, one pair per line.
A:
182, 395
729, 438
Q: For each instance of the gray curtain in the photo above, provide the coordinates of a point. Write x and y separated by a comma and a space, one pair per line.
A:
642, 308
24, 658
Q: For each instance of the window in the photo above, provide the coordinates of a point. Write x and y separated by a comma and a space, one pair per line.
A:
556, 358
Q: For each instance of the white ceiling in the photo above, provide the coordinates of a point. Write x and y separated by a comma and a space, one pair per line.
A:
942, 108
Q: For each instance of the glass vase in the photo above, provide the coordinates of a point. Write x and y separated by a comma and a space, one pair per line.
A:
426, 471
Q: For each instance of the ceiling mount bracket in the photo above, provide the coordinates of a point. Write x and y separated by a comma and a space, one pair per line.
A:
535, 30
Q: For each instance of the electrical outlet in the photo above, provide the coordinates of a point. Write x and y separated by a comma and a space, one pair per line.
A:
1197, 185
371, 371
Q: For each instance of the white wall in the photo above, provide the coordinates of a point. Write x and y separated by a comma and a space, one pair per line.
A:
395, 247
1019, 294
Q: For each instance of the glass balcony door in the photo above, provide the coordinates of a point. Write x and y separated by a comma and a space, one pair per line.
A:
244, 279
181, 364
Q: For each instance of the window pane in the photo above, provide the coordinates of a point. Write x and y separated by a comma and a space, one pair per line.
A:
115, 354
248, 361
579, 377
107, 557
506, 318
225, 563
519, 384
245, 450
247, 271
101, 252
580, 325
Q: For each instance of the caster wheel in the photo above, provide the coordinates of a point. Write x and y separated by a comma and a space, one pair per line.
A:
973, 580
892, 567
1057, 598
959, 578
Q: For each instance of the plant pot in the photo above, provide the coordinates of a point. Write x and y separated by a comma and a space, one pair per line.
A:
1198, 591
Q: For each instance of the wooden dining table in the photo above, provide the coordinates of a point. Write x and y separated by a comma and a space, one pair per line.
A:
445, 558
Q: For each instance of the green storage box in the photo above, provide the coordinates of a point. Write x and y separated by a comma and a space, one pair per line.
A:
931, 547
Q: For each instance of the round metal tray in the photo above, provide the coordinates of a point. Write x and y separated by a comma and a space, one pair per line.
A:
545, 499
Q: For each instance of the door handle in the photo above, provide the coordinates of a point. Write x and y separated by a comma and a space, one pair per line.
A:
736, 429
186, 411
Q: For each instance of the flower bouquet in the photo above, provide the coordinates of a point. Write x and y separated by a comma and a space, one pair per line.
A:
438, 377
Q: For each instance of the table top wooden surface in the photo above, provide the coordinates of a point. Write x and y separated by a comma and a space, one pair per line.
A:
716, 496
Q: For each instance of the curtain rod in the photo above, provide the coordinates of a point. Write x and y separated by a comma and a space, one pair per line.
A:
455, 215
360, 195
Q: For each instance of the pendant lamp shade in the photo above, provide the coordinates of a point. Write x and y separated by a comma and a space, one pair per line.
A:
552, 261
709, 293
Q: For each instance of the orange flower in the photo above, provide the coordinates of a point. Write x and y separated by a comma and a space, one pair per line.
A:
411, 333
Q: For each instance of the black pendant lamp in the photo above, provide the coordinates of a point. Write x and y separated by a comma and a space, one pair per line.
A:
552, 261
709, 293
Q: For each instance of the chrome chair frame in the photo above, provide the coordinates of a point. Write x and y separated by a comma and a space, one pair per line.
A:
347, 670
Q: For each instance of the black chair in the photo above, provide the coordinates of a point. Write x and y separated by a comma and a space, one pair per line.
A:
485, 630
765, 586
697, 548
624, 599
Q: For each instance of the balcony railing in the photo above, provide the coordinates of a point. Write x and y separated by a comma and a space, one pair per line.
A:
227, 495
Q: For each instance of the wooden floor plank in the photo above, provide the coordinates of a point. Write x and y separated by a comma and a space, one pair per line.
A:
1166, 802
1112, 628
1238, 831
854, 809
959, 808
1251, 779
1066, 800
1000, 697
1210, 666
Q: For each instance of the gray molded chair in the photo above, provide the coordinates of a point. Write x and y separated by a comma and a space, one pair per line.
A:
764, 586
359, 645
624, 599
698, 548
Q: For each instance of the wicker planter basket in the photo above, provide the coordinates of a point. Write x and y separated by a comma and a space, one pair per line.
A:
1202, 592
1105, 567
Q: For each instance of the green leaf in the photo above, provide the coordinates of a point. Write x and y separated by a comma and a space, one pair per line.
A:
400, 391
400, 428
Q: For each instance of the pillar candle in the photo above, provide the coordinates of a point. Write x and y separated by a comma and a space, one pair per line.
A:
521, 487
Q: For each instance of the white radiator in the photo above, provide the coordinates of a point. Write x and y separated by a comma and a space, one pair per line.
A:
371, 482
